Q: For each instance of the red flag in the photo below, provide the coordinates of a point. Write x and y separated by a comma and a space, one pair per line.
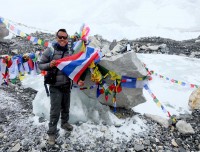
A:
29, 38
31, 64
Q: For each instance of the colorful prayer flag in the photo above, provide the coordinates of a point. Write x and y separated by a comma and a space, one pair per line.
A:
73, 66
129, 82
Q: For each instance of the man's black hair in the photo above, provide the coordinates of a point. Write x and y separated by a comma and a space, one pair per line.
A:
61, 30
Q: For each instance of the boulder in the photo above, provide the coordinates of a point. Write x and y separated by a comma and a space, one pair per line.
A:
126, 64
162, 121
184, 127
197, 41
97, 44
94, 42
113, 44
194, 99
116, 49
3, 31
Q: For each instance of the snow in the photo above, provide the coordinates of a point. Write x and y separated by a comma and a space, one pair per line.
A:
91, 113
115, 19
173, 96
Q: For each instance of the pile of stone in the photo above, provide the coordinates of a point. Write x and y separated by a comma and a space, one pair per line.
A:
3, 31
19, 133
160, 45
190, 48
20, 45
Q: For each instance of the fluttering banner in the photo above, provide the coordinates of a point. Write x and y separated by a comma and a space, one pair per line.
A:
158, 103
73, 66
18, 32
16, 66
130, 82
29, 27
184, 84
12, 28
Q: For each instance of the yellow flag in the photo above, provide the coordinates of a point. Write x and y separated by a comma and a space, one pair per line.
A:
21, 77
139, 79
158, 104
22, 34
83, 47
179, 82
40, 41
96, 75
92, 65
114, 76
5, 22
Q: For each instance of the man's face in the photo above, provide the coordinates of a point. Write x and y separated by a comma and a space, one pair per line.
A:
62, 38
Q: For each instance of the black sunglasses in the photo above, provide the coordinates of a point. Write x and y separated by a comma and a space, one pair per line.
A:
62, 37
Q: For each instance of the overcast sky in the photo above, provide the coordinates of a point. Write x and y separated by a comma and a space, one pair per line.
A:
112, 19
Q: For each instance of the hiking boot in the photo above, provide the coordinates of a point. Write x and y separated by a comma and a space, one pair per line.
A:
67, 126
51, 139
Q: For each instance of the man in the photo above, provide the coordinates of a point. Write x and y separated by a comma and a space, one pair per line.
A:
60, 89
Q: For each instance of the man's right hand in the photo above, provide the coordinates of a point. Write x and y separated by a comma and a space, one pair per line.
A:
53, 63
80, 83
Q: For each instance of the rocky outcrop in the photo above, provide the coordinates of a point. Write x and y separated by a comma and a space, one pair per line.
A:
167, 46
124, 65
98, 42
194, 99
190, 48
23, 45
3, 31
113, 44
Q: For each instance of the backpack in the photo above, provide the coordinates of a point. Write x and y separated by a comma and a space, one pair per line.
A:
50, 77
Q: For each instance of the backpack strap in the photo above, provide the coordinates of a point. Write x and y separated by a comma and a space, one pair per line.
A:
70, 46
52, 51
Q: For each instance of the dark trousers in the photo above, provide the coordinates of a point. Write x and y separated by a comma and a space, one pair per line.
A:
60, 104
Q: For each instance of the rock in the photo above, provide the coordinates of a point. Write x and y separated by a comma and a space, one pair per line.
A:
14, 52
3, 30
116, 49
105, 49
113, 44
163, 45
109, 54
43, 144
138, 147
128, 97
1, 129
197, 41
144, 47
103, 129
98, 42
194, 99
154, 47
184, 127
16, 148
181, 149
173, 142
1, 135
162, 121
2, 118
94, 42
147, 142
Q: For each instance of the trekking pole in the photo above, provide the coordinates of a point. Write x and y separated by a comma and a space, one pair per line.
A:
46, 89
